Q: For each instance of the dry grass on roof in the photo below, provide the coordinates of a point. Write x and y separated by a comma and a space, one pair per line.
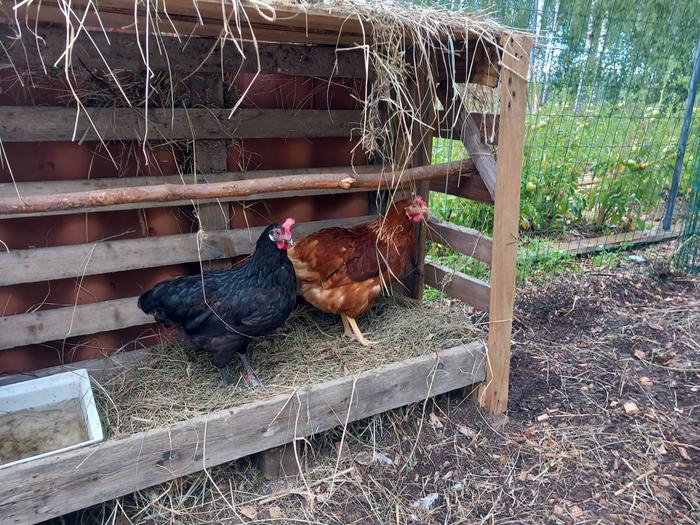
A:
396, 39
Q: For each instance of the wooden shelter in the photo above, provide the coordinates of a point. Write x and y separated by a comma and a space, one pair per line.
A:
74, 76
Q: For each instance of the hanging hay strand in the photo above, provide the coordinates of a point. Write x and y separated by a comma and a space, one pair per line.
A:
176, 383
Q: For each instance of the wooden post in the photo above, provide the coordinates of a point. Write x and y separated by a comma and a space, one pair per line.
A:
423, 140
414, 153
280, 462
493, 394
210, 157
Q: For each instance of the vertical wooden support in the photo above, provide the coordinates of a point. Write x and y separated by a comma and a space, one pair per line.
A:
280, 462
423, 155
210, 157
419, 150
493, 394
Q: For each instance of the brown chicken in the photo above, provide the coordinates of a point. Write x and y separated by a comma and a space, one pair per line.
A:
342, 270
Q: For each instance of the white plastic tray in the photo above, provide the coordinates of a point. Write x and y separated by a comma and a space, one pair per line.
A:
49, 390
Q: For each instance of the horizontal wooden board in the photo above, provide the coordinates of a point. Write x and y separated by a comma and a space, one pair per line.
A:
54, 187
196, 54
184, 23
52, 486
35, 124
274, 22
201, 51
614, 241
61, 262
458, 285
70, 321
464, 240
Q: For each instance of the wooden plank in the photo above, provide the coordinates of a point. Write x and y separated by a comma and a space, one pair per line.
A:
194, 54
486, 123
469, 186
305, 24
186, 25
614, 241
423, 141
203, 54
53, 187
458, 285
39, 490
513, 101
36, 124
470, 135
59, 323
62, 262
464, 240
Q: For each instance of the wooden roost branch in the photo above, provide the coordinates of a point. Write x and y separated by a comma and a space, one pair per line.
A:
177, 192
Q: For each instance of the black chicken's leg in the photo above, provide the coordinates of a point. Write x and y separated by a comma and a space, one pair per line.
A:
226, 377
248, 372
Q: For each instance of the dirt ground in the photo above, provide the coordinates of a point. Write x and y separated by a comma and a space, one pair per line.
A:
603, 426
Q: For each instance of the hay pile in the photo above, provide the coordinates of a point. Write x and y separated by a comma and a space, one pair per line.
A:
176, 383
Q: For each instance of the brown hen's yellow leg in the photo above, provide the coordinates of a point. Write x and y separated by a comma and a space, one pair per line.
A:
358, 335
348, 331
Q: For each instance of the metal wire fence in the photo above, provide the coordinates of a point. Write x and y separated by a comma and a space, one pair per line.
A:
608, 94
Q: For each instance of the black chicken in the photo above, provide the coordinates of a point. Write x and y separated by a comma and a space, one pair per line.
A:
237, 304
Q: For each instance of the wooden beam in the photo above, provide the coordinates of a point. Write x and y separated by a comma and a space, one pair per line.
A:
469, 185
513, 102
313, 25
60, 323
37, 124
470, 135
194, 54
464, 240
45, 488
186, 24
614, 241
178, 192
53, 187
458, 285
474, 62
422, 141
